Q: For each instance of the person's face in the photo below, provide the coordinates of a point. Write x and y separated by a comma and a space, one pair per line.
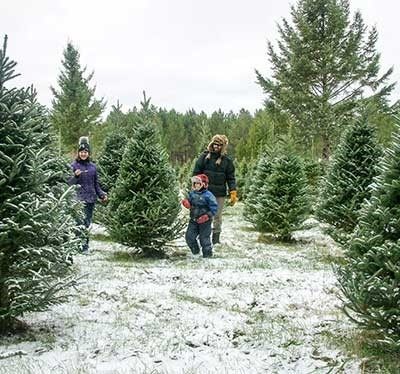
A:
83, 155
217, 147
197, 186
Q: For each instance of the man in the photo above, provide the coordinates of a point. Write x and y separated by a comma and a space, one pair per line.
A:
220, 170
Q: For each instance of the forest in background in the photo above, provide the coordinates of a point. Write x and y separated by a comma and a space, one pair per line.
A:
325, 73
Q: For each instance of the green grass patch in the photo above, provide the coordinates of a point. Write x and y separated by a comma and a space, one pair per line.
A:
248, 229
101, 238
376, 358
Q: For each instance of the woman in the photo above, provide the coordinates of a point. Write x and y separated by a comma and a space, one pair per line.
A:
85, 176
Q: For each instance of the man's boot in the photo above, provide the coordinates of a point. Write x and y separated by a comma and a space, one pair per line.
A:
215, 237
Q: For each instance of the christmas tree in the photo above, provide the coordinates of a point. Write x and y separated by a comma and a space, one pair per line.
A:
244, 169
36, 225
110, 159
144, 203
278, 200
346, 185
254, 187
370, 280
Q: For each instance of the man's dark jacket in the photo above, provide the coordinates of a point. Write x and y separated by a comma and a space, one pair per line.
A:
218, 175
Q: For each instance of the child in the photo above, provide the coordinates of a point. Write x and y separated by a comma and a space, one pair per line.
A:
85, 175
203, 206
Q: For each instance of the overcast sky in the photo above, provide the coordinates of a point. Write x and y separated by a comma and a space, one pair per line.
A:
198, 54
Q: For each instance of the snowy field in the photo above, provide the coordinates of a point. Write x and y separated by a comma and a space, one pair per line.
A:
253, 308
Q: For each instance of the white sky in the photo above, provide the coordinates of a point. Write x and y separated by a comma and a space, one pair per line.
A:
183, 53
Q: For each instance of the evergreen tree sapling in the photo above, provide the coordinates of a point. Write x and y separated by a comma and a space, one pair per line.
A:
144, 204
36, 224
346, 184
243, 170
278, 202
254, 186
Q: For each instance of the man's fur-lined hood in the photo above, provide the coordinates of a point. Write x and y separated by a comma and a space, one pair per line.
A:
222, 139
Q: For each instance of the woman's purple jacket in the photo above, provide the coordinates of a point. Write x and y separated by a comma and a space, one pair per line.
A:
89, 186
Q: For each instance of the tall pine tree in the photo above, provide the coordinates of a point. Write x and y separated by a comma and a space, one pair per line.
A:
75, 111
346, 184
370, 281
36, 224
144, 203
326, 66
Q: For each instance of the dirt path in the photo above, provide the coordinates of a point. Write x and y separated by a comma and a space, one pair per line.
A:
253, 308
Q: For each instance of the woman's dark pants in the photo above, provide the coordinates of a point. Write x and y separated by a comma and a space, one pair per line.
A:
88, 209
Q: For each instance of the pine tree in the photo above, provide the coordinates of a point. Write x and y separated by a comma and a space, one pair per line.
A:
75, 110
278, 199
243, 170
346, 184
36, 222
325, 67
370, 280
110, 159
144, 203
255, 184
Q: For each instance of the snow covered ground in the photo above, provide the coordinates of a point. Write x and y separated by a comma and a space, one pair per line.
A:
254, 308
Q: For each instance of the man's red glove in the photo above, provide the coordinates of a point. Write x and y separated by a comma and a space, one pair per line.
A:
186, 203
202, 219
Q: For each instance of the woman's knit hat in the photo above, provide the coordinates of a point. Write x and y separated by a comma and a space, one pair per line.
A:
218, 139
84, 144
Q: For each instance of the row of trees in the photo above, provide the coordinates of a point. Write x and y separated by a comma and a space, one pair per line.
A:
358, 199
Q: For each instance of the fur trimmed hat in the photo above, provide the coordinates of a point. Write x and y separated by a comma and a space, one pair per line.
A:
218, 139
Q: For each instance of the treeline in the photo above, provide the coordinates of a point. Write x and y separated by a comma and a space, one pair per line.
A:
185, 135
323, 76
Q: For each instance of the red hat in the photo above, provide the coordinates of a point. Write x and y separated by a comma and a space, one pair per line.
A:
202, 178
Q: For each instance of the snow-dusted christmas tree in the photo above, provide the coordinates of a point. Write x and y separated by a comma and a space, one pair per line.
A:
36, 225
278, 200
144, 204
254, 186
370, 281
110, 159
345, 186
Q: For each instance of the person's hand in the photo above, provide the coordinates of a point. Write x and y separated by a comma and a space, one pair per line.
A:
202, 219
77, 172
104, 199
186, 203
233, 198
